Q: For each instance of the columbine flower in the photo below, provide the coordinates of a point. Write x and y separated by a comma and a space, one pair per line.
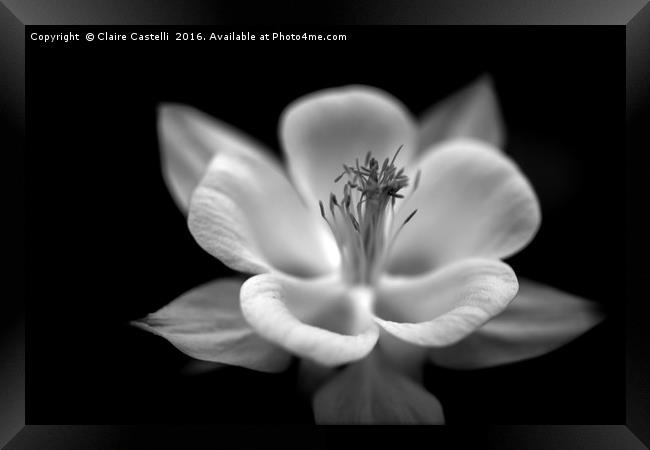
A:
342, 273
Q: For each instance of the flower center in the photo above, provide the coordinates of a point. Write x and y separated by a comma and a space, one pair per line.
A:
362, 220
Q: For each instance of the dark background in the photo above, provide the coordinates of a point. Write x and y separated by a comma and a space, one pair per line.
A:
107, 245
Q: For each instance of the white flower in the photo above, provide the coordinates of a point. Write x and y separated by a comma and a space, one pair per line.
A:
351, 282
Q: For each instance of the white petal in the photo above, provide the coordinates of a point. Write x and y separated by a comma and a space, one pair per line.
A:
539, 320
472, 202
206, 323
188, 141
245, 213
472, 112
324, 130
446, 305
315, 319
370, 393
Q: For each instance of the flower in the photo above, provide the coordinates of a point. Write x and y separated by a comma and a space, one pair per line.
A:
345, 275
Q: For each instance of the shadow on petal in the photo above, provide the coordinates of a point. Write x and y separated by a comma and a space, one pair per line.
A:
196, 367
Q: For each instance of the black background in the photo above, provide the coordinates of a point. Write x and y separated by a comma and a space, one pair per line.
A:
106, 244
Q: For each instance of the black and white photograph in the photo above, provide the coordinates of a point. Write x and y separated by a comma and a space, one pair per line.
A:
298, 226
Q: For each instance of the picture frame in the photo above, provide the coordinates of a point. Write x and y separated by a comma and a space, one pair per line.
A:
631, 20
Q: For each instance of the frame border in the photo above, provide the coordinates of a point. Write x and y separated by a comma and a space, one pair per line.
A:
633, 15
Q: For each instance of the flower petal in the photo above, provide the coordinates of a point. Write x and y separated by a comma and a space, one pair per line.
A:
472, 202
206, 323
472, 112
405, 356
245, 213
188, 141
446, 305
368, 392
539, 320
314, 319
324, 130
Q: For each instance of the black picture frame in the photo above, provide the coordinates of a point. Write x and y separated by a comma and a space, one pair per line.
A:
634, 17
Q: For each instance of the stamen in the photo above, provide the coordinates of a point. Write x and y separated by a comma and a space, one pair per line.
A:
392, 163
322, 210
416, 182
363, 231
410, 216
394, 238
